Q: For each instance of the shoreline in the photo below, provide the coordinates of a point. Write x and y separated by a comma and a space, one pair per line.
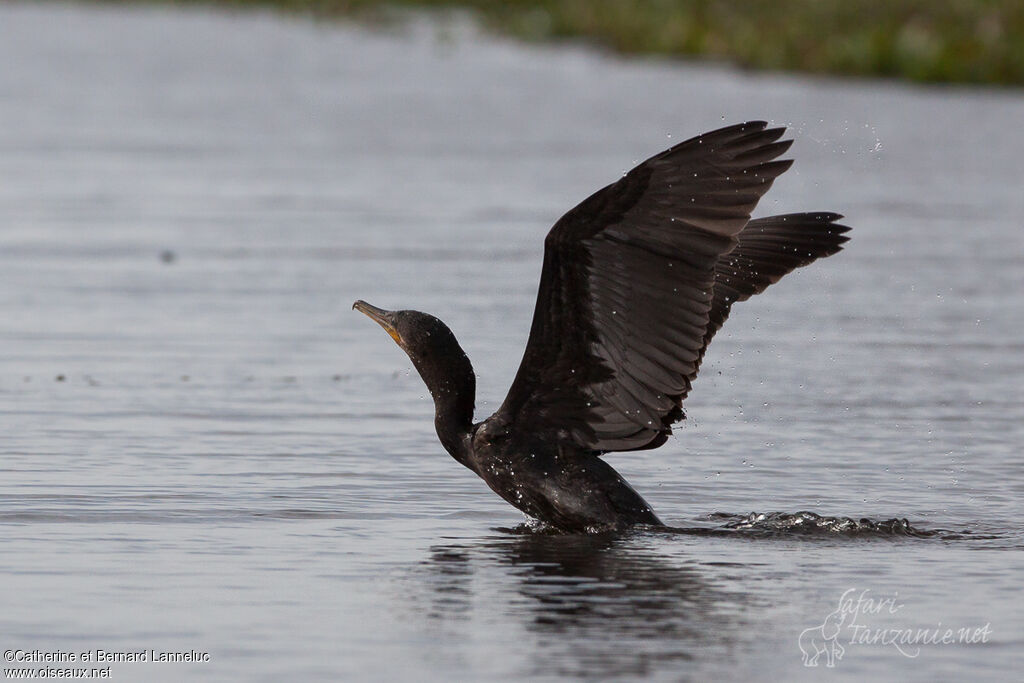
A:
943, 41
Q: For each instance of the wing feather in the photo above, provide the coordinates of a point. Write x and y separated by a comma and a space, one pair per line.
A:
768, 249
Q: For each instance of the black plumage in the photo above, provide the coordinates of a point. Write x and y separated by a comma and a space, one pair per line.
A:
637, 279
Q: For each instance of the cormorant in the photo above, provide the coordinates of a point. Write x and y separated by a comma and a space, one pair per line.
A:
636, 281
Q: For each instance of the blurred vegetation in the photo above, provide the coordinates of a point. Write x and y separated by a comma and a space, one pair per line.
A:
967, 41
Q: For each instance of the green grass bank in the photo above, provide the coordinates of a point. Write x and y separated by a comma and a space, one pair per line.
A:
947, 41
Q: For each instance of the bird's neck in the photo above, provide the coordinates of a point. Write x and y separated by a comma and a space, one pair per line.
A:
453, 388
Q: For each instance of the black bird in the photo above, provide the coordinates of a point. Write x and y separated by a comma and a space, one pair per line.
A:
637, 279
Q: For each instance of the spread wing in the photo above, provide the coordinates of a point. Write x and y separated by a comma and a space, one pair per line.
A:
627, 289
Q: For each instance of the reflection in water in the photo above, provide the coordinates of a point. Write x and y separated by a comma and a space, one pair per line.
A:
593, 604
614, 605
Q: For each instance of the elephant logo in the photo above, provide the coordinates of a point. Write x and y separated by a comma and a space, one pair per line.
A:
823, 640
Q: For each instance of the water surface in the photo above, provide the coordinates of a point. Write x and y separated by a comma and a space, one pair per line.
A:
204, 448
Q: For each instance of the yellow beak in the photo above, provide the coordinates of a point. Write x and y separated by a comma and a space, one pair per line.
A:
380, 316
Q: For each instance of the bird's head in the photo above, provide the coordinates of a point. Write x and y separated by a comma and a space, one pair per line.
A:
419, 334
431, 346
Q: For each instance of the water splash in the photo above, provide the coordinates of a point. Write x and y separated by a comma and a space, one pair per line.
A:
805, 522
773, 523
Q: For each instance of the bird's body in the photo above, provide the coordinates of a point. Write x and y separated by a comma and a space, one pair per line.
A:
565, 487
637, 279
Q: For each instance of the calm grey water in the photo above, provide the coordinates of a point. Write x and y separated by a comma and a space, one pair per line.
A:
235, 463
